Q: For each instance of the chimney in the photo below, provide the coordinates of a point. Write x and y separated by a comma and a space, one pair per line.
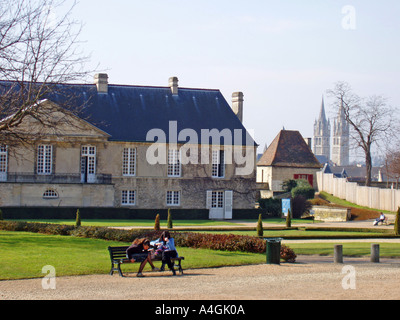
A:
237, 104
308, 141
101, 82
173, 84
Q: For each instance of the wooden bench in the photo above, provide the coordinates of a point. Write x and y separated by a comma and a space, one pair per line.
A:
118, 257
385, 221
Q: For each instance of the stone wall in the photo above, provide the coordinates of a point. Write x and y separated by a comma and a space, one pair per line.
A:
69, 195
371, 197
325, 213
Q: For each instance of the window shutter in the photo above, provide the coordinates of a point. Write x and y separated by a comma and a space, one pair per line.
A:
228, 204
208, 200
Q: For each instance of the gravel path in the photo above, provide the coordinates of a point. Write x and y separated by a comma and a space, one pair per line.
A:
312, 278
309, 278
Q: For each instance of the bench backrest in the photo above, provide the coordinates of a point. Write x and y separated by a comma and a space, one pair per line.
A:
118, 252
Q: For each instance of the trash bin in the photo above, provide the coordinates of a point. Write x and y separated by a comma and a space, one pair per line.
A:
273, 250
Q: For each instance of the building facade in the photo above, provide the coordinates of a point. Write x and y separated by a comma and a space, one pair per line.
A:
341, 140
136, 147
287, 158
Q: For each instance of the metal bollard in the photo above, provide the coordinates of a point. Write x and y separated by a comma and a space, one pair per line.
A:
375, 253
338, 253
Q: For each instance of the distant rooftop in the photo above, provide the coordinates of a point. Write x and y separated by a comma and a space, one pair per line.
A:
289, 150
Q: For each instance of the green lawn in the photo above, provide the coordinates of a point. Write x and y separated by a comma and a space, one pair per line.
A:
24, 254
302, 233
128, 223
346, 203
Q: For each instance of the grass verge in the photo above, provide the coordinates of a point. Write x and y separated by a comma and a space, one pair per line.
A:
24, 254
351, 249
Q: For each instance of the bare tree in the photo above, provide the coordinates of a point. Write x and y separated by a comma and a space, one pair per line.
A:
371, 120
38, 49
392, 165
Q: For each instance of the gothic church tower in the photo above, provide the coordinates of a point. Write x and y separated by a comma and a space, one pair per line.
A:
341, 135
322, 135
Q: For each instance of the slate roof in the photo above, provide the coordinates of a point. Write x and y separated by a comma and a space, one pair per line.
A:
127, 112
289, 150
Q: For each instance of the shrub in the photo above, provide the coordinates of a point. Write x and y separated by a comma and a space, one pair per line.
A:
397, 223
1, 215
260, 231
288, 185
78, 218
300, 206
289, 219
272, 206
287, 254
169, 220
157, 223
307, 192
224, 242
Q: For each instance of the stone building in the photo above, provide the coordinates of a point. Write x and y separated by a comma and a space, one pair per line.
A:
340, 153
140, 147
341, 140
322, 136
287, 157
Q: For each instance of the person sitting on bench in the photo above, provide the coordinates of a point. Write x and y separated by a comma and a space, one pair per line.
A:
168, 252
381, 219
139, 252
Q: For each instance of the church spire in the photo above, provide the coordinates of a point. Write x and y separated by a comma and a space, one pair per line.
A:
322, 134
322, 115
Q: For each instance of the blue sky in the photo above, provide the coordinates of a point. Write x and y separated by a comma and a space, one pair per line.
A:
283, 55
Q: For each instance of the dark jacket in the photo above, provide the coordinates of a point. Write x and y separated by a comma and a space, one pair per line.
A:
135, 249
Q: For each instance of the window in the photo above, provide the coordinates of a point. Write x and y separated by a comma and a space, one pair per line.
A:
44, 159
218, 164
174, 163
308, 177
50, 194
88, 164
173, 198
128, 197
3, 162
129, 162
217, 199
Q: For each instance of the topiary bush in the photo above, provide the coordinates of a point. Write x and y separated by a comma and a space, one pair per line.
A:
78, 218
260, 230
169, 220
397, 223
157, 223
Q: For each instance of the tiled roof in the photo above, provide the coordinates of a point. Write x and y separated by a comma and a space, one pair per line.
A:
289, 150
128, 113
